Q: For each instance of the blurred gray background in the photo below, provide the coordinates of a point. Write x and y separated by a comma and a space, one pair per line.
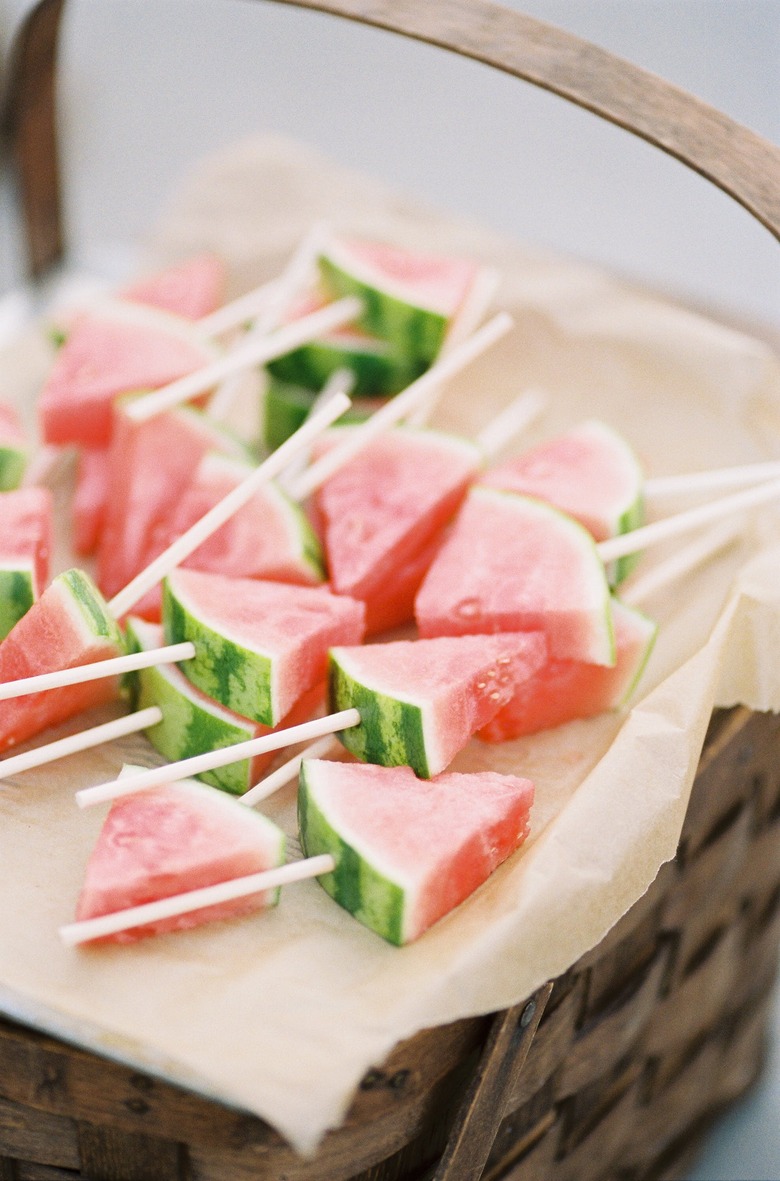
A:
149, 86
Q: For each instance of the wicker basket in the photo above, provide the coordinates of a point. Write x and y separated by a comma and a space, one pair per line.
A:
611, 1072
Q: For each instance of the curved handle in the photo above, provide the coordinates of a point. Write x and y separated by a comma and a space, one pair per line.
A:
737, 160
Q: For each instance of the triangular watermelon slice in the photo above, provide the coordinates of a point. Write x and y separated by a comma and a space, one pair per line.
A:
408, 851
150, 464
590, 472
193, 723
563, 690
192, 289
420, 701
270, 537
25, 549
173, 839
259, 645
512, 563
69, 625
117, 349
410, 297
14, 449
387, 505
90, 497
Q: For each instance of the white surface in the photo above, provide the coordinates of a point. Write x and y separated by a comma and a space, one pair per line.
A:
147, 88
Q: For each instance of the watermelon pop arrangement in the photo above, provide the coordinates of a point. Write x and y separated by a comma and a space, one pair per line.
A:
520, 630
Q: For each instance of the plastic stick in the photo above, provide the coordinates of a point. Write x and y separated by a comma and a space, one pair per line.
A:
669, 527
187, 768
511, 422
684, 561
287, 772
401, 405
342, 381
272, 310
183, 546
714, 480
85, 740
116, 666
250, 352
166, 908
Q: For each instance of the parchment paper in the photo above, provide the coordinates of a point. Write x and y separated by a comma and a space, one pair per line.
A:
282, 1013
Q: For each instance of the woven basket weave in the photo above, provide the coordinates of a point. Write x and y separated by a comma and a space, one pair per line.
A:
641, 1044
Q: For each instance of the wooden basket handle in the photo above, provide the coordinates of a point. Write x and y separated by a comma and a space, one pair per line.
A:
737, 160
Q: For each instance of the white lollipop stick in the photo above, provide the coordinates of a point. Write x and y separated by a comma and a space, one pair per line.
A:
166, 908
284, 774
342, 381
715, 480
683, 562
511, 422
116, 666
659, 531
183, 546
250, 352
401, 405
239, 311
295, 275
188, 768
85, 740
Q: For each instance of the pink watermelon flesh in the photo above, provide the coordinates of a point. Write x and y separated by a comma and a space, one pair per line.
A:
563, 690
89, 499
393, 604
51, 636
255, 543
438, 839
427, 280
26, 529
512, 563
589, 472
170, 840
192, 289
150, 464
105, 356
387, 506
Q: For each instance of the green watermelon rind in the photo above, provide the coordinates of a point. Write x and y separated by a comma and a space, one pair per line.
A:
18, 592
355, 884
376, 368
651, 629
287, 406
13, 463
187, 727
92, 607
414, 331
236, 676
632, 518
392, 730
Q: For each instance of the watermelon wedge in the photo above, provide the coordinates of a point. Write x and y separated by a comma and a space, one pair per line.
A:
388, 505
89, 498
286, 407
410, 298
408, 851
171, 840
192, 289
420, 701
69, 625
260, 645
377, 367
512, 563
193, 723
25, 547
150, 464
270, 537
120, 348
562, 690
14, 449
590, 473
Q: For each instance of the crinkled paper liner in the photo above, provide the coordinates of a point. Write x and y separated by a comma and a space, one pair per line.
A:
282, 1013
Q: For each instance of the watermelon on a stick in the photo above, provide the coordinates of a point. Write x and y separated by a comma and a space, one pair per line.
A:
25, 549
408, 850
193, 288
